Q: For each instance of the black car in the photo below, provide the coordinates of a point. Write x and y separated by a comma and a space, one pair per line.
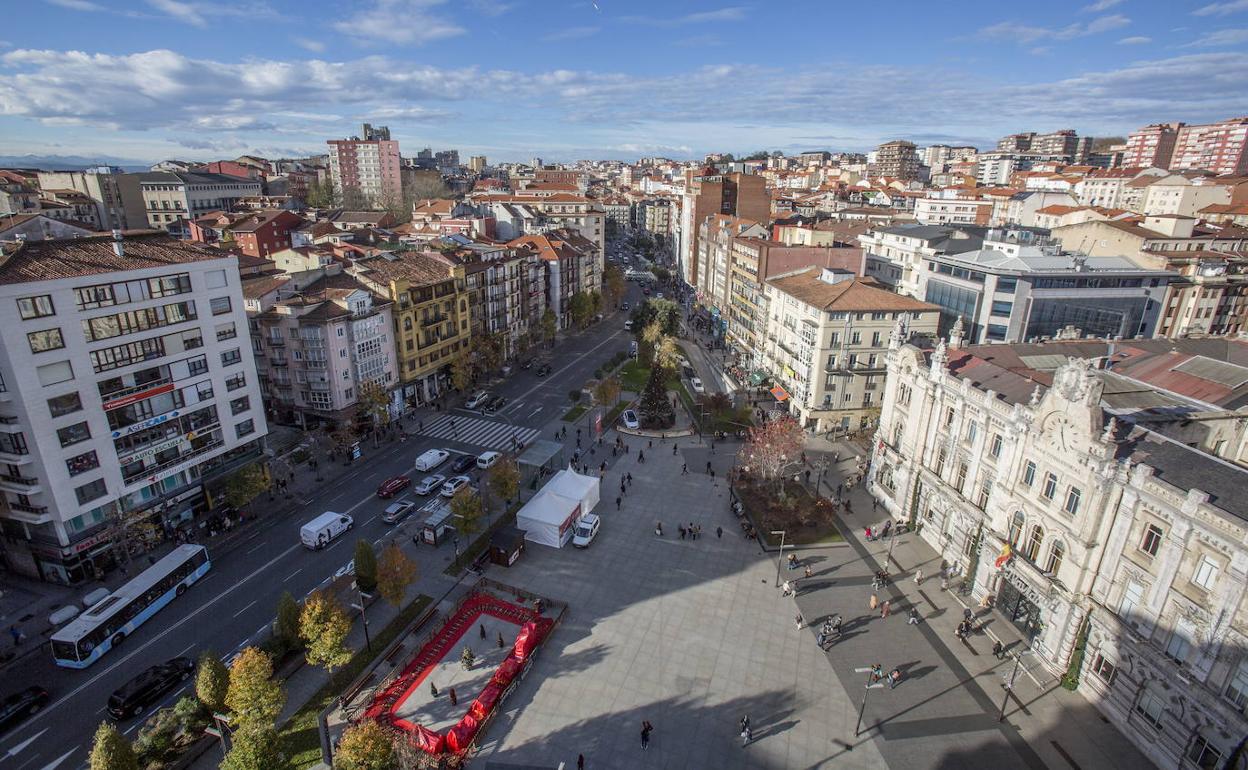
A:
463, 463
21, 705
149, 687
526, 363
493, 405
543, 370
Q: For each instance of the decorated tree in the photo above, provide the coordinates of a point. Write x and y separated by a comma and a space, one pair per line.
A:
772, 448
467, 658
395, 572
324, 626
655, 410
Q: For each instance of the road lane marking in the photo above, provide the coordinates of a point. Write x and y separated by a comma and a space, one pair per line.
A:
257, 548
291, 575
249, 606
185, 650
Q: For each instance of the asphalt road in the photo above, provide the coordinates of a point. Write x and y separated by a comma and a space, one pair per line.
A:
234, 603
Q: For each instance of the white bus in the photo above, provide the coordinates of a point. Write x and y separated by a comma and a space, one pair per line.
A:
117, 615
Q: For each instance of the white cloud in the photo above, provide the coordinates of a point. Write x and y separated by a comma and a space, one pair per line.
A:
1219, 38
1221, 9
1135, 40
399, 21
315, 46
78, 5
490, 7
412, 114
571, 33
730, 13
1026, 33
1101, 5
184, 12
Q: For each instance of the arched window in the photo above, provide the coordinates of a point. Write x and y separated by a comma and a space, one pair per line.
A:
1057, 552
1034, 538
407, 323
1016, 528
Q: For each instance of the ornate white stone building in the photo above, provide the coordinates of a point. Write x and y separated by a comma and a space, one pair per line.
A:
1065, 483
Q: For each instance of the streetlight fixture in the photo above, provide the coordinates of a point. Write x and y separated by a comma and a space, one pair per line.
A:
780, 558
870, 685
363, 616
1009, 683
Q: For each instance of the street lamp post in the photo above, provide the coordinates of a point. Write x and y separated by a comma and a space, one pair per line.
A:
870, 685
368, 643
780, 558
1009, 685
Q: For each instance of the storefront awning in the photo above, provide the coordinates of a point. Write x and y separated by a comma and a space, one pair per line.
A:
780, 393
757, 378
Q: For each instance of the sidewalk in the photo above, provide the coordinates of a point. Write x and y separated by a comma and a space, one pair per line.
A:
946, 709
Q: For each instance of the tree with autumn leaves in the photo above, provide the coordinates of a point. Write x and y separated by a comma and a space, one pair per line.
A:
772, 449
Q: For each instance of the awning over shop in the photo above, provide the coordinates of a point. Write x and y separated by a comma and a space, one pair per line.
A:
757, 378
780, 393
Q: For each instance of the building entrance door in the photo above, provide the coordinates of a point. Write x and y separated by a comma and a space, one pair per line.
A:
1019, 610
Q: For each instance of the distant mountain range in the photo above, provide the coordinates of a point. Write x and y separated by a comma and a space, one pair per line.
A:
69, 162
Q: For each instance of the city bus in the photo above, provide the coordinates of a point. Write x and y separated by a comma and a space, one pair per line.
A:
119, 614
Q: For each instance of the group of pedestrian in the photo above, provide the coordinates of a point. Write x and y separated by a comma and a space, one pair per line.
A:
831, 630
877, 674
692, 531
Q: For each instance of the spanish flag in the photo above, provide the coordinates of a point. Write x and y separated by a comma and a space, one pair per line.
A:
1006, 553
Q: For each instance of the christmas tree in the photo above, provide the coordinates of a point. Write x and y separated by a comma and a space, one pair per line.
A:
655, 410
467, 658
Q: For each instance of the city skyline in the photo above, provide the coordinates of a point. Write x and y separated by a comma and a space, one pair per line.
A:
141, 82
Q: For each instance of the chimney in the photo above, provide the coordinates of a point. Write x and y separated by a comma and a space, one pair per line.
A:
119, 248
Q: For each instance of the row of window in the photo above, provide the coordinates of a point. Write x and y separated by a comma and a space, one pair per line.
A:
1049, 489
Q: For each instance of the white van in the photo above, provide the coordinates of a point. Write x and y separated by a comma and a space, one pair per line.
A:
487, 460
318, 533
431, 459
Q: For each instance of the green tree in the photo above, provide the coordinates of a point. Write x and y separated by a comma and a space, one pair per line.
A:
595, 301
320, 195
607, 391
365, 566
505, 480
255, 748
365, 746
613, 285
666, 312
489, 350
212, 681
662, 273
462, 371
324, 626
550, 325
253, 696
111, 750
467, 508
580, 307
354, 199
373, 402
395, 572
245, 484
286, 623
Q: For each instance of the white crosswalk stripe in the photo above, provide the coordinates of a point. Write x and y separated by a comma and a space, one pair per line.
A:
473, 430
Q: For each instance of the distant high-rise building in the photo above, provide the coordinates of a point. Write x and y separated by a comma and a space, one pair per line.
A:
708, 192
1016, 142
1065, 144
477, 164
370, 166
898, 159
378, 134
536, 162
1220, 147
1151, 146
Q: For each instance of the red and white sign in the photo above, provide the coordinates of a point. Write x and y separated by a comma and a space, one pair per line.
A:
136, 397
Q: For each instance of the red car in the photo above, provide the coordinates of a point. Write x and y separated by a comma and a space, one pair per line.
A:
390, 487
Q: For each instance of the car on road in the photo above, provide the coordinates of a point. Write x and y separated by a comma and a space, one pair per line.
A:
146, 689
487, 460
431, 459
463, 463
392, 486
628, 325
429, 483
629, 418
396, 512
493, 404
526, 364
586, 530
543, 370
697, 386
624, 306
454, 484
22, 705
477, 399
658, 295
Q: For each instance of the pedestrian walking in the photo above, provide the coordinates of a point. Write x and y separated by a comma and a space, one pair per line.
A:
684, 469
877, 672
646, 729
658, 528
712, 473
886, 608
580, 762
823, 636
875, 504
839, 488
944, 582
708, 466
792, 561
809, 572
746, 736
681, 528
433, 689
894, 677
674, 450
873, 602
914, 616
836, 625
500, 640
650, 444
787, 587
482, 628
621, 486
693, 533
798, 620
16, 633
918, 576
618, 500
719, 532
997, 649
454, 697
629, 478
745, 722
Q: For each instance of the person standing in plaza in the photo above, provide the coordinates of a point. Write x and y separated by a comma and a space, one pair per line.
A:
873, 602
580, 762
646, 729
885, 608
894, 677
746, 736
719, 532
618, 500
914, 616
997, 649
918, 576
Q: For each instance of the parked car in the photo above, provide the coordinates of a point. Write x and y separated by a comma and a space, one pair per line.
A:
431, 459
697, 386
629, 418
624, 306
396, 512
586, 530
487, 460
21, 705
526, 363
463, 463
477, 399
392, 486
628, 325
429, 483
543, 370
146, 689
455, 484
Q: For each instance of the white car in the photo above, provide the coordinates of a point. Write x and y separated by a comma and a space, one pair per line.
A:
696, 384
586, 530
629, 418
477, 399
454, 484
431, 459
429, 483
487, 460
396, 512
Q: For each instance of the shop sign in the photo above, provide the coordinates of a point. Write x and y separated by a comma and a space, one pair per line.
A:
144, 425
92, 541
1028, 591
136, 397
152, 450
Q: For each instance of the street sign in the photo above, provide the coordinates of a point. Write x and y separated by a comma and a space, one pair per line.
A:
355, 451
214, 732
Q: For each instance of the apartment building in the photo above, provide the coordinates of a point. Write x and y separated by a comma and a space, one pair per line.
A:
567, 257
715, 239
524, 213
1104, 187
369, 166
1221, 148
1065, 144
708, 192
1053, 479
265, 233
506, 289
1183, 194
430, 315
1151, 146
824, 342
319, 338
897, 159
117, 196
953, 211
894, 255
127, 392
171, 199
937, 157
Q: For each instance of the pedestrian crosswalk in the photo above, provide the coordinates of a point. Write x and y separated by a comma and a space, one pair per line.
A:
474, 430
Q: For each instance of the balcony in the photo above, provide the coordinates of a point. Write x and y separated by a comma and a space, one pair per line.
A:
433, 320
276, 342
278, 362
149, 385
37, 510
14, 459
20, 484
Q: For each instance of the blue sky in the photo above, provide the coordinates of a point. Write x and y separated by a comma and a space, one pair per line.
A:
565, 79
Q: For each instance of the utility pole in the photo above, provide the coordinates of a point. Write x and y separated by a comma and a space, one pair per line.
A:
780, 558
870, 685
